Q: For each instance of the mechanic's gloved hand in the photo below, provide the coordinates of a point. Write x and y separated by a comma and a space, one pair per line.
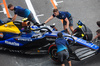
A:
42, 23
37, 24
66, 30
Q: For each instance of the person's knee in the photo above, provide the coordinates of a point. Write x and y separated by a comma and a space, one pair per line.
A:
69, 62
71, 28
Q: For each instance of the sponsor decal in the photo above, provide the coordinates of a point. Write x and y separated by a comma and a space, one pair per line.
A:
12, 43
85, 43
24, 39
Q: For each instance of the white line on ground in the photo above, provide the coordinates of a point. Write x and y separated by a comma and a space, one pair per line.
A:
29, 4
55, 2
1, 11
40, 15
59, 1
4, 11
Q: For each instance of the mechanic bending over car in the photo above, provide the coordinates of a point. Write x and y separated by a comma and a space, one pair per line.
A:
67, 19
98, 32
62, 49
98, 38
22, 13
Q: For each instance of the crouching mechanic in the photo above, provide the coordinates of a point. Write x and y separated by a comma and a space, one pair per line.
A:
67, 19
22, 13
62, 49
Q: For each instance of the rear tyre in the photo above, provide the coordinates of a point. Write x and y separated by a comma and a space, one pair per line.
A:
86, 31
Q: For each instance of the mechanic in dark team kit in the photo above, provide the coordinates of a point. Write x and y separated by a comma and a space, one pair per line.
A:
67, 19
97, 37
22, 13
62, 50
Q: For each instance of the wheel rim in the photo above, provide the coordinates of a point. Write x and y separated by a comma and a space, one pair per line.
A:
54, 53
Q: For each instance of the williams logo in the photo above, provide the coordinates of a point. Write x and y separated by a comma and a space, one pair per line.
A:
12, 43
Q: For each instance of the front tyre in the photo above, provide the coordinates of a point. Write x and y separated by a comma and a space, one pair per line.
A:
53, 52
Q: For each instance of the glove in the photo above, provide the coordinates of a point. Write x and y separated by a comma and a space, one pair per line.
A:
42, 23
66, 30
36, 23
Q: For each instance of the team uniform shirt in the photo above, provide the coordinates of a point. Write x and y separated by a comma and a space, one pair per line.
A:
63, 15
21, 11
61, 44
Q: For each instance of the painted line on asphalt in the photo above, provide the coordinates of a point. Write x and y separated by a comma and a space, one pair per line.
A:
59, 1
31, 8
40, 15
1, 11
53, 4
6, 9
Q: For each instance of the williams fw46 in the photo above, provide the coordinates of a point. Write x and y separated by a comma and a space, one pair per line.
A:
26, 39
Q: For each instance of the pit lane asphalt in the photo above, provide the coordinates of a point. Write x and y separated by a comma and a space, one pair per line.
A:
88, 11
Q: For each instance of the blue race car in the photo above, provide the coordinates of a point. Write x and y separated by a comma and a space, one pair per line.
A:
40, 40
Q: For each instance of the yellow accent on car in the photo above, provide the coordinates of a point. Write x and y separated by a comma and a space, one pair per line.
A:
82, 35
80, 26
24, 19
9, 27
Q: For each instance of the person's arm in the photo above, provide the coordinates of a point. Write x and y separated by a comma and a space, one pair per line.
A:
14, 18
49, 19
95, 37
67, 25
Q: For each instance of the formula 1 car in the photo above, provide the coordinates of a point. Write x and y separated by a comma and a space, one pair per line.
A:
37, 40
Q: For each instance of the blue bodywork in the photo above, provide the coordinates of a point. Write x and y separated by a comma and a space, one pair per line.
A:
16, 40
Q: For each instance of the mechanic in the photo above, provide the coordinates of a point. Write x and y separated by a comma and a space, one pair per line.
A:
98, 38
62, 49
98, 23
67, 19
22, 13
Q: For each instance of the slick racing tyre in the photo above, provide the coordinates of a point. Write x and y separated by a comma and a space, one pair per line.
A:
53, 53
84, 33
